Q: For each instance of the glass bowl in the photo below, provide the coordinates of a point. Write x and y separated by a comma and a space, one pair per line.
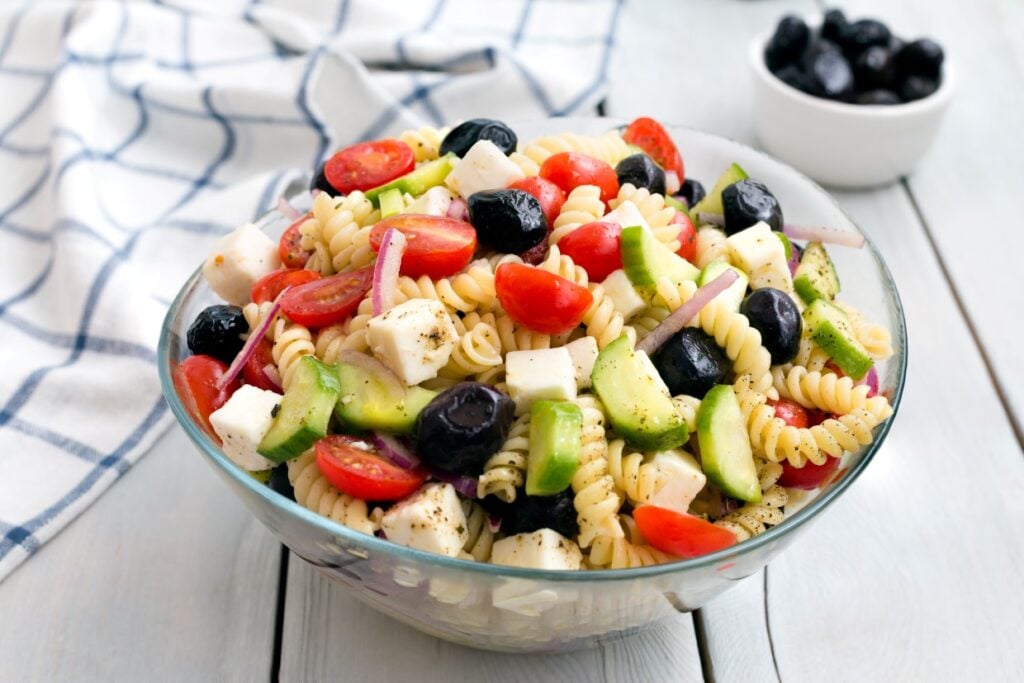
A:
517, 610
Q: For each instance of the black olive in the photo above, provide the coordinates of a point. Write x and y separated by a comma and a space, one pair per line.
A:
468, 133
922, 57
917, 88
510, 221
641, 171
878, 97
691, 362
691, 191
860, 35
748, 202
280, 482
319, 182
463, 426
774, 314
834, 26
874, 69
787, 43
217, 331
829, 74
530, 513
795, 77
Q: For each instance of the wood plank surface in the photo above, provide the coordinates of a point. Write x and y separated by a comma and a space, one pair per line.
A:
166, 578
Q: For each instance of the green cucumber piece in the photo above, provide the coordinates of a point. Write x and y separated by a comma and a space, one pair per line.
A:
366, 403
831, 330
712, 202
304, 412
816, 276
263, 476
418, 181
636, 399
556, 432
786, 244
675, 203
725, 453
734, 294
391, 202
646, 260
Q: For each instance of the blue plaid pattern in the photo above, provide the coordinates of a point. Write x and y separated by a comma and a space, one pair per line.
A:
132, 134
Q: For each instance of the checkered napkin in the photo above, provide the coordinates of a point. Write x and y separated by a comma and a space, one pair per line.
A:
132, 134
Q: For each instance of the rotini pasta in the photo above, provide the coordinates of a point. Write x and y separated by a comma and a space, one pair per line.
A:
505, 471
481, 537
711, 246
478, 351
596, 500
313, 491
687, 407
425, 142
755, 518
338, 232
291, 343
652, 207
619, 553
583, 205
608, 147
875, 339
825, 391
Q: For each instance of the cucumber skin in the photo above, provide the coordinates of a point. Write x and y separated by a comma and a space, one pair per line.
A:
397, 419
832, 332
561, 458
712, 203
645, 260
808, 272
390, 202
748, 490
279, 447
417, 181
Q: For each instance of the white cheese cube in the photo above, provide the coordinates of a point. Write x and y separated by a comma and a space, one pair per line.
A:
627, 214
542, 373
238, 260
626, 300
485, 167
541, 549
679, 479
434, 202
431, 519
761, 254
415, 339
241, 424
583, 352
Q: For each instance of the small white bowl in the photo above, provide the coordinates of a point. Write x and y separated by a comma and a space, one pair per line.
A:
840, 144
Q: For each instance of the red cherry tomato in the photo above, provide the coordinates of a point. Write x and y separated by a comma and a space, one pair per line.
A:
436, 246
687, 236
652, 138
253, 372
680, 534
542, 301
328, 300
366, 165
269, 286
353, 467
196, 378
290, 247
550, 196
810, 476
596, 247
793, 414
569, 170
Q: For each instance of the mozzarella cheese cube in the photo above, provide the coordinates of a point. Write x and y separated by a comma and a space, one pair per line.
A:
680, 479
415, 339
238, 260
583, 352
434, 202
626, 300
761, 254
542, 373
241, 424
431, 519
627, 214
485, 167
541, 549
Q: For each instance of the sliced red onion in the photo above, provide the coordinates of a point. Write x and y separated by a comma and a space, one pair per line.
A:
386, 269
794, 260
464, 484
271, 374
707, 218
672, 182
871, 380
494, 523
681, 199
459, 209
682, 315
255, 337
378, 370
814, 233
394, 450
285, 208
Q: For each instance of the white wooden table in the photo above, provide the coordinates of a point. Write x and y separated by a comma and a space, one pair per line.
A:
914, 575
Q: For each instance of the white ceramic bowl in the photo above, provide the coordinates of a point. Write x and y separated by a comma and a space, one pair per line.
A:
839, 144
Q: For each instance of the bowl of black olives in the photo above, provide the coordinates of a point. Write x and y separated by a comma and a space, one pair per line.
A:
848, 101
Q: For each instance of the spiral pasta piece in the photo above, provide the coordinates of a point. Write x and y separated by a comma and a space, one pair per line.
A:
425, 142
825, 391
638, 480
809, 354
596, 500
608, 147
338, 232
755, 518
655, 211
875, 338
603, 322
314, 492
478, 351
711, 246
345, 336
687, 407
505, 471
619, 553
583, 205
291, 342
648, 319
561, 264
481, 538
254, 314
464, 292
515, 337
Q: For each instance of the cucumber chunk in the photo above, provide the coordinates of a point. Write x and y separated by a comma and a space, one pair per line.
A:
556, 432
830, 329
416, 182
816, 277
675, 203
725, 445
305, 410
636, 399
391, 202
646, 260
366, 403
733, 295
712, 203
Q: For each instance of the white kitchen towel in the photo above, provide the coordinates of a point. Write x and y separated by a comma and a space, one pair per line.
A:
132, 134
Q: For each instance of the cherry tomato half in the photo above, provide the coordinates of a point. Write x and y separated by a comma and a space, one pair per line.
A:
353, 467
253, 372
596, 247
368, 164
569, 170
687, 236
652, 138
268, 287
550, 196
680, 534
328, 300
810, 476
792, 413
196, 378
436, 246
290, 247
542, 301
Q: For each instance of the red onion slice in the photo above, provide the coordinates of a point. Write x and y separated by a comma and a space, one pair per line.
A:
386, 269
255, 337
494, 523
682, 315
459, 210
794, 260
672, 182
707, 218
271, 374
285, 208
378, 370
871, 380
843, 238
394, 450
464, 484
